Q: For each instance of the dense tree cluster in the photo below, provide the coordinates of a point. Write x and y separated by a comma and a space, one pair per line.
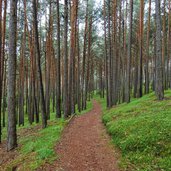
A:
137, 49
54, 55
47, 60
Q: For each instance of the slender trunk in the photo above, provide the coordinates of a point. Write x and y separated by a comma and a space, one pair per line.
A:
58, 83
168, 47
1, 79
129, 54
78, 70
164, 45
159, 80
147, 51
65, 86
109, 58
4, 94
44, 120
140, 63
12, 59
88, 58
84, 59
106, 56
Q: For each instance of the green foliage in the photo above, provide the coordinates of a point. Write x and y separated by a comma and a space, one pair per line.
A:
142, 132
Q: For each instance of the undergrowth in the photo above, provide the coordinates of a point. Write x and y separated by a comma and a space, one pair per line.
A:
142, 132
36, 145
89, 107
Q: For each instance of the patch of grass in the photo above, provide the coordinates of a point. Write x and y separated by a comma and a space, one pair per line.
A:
89, 108
142, 132
38, 146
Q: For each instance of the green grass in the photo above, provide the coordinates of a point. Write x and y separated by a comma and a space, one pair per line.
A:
142, 132
36, 145
88, 109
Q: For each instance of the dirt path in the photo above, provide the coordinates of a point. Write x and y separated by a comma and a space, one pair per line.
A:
85, 146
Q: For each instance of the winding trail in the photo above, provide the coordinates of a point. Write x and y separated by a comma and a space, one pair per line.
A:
85, 145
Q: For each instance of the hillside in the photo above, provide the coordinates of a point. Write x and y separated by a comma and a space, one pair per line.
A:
142, 132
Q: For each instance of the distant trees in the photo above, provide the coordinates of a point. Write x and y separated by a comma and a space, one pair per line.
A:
142, 62
41, 59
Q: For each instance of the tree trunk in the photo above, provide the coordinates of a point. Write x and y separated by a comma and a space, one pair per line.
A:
78, 70
147, 51
58, 83
159, 79
109, 62
168, 46
127, 88
88, 59
11, 131
164, 46
84, 59
106, 55
43, 107
65, 86
140, 63
71, 88
4, 61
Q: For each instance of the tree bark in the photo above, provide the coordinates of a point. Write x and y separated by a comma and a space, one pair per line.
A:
109, 62
78, 70
1, 79
11, 130
106, 55
43, 107
129, 54
159, 71
140, 63
147, 51
65, 87
58, 83
84, 59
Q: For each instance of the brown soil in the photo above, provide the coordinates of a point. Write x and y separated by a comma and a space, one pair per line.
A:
7, 157
84, 146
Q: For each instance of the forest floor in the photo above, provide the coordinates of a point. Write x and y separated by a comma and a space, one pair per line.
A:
35, 146
85, 145
140, 132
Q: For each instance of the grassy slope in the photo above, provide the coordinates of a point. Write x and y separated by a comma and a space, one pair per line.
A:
142, 132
